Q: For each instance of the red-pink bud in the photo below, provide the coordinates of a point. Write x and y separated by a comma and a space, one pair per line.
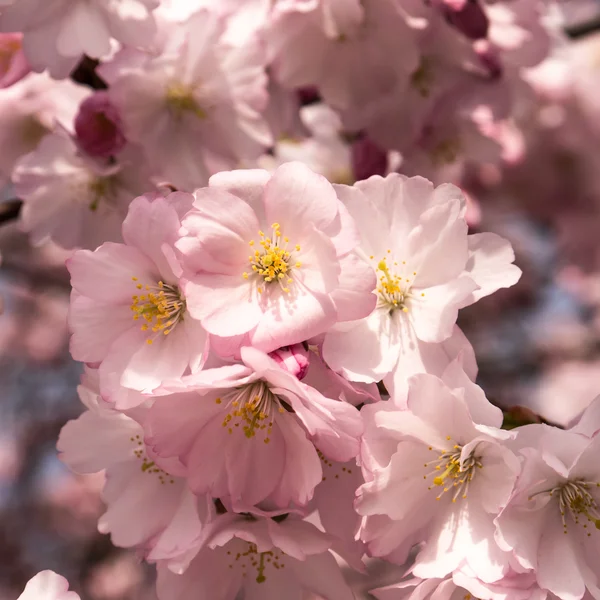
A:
293, 359
98, 126
470, 19
368, 159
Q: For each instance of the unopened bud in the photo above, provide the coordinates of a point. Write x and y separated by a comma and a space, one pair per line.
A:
368, 159
293, 359
98, 126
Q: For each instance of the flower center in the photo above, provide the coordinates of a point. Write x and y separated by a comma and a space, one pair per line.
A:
273, 261
248, 557
446, 151
422, 78
100, 188
147, 465
393, 290
574, 497
450, 473
180, 100
253, 408
161, 307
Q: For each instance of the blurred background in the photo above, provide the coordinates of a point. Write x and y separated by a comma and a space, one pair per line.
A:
537, 344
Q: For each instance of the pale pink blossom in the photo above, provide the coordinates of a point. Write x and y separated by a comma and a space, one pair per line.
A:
98, 126
552, 521
396, 120
449, 589
58, 32
261, 559
246, 431
146, 506
29, 110
518, 33
343, 47
428, 267
195, 107
128, 312
72, 199
48, 585
325, 150
519, 584
438, 473
334, 501
271, 258
333, 385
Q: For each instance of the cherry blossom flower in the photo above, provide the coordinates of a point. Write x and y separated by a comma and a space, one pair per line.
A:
146, 505
57, 33
439, 473
263, 420
334, 502
48, 585
415, 237
447, 589
342, 47
72, 199
271, 258
195, 108
552, 520
29, 110
128, 312
326, 151
261, 559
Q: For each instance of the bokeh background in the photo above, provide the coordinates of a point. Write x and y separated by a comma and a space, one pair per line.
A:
537, 344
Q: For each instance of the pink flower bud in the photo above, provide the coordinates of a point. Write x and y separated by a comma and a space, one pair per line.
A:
293, 359
98, 126
13, 64
470, 19
368, 159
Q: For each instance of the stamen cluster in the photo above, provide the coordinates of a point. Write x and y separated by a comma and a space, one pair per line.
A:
161, 307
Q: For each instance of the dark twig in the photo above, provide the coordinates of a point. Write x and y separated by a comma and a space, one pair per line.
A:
10, 210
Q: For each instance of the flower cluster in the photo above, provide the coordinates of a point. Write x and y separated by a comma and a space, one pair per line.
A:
185, 89
231, 340
265, 291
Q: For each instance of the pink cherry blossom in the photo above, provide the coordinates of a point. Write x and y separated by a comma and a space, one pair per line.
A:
72, 199
449, 589
261, 559
146, 505
334, 501
517, 584
342, 47
552, 520
48, 585
264, 422
428, 267
128, 312
195, 107
397, 119
29, 110
271, 258
326, 151
98, 126
438, 472
58, 32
